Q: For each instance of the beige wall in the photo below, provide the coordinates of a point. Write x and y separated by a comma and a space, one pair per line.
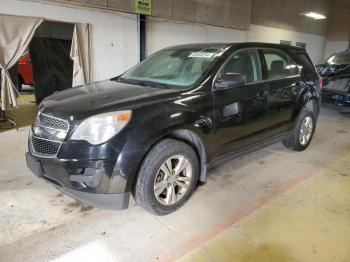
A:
226, 13
285, 14
338, 37
187, 21
114, 35
238, 14
162, 34
339, 21
315, 44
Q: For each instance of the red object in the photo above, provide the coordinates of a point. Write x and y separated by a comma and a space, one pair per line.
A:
321, 83
25, 72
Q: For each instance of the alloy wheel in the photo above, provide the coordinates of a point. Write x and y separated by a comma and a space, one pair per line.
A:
306, 129
173, 180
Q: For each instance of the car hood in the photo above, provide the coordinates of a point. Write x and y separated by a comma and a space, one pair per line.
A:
102, 97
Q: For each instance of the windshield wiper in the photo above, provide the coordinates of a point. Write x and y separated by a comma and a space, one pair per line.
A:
140, 82
151, 83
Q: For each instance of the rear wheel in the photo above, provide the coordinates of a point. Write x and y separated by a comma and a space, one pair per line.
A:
300, 138
167, 177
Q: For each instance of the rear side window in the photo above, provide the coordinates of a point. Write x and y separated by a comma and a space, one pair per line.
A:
280, 65
244, 62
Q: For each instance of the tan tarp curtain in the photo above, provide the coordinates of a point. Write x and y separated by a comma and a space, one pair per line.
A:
81, 54
15, 35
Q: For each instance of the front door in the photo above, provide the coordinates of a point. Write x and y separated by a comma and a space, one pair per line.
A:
239, 111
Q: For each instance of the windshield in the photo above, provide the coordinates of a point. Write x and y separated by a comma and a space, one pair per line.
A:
172, 68
339, 58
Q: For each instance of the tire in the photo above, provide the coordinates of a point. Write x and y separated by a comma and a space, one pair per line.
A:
154, 175
293, 141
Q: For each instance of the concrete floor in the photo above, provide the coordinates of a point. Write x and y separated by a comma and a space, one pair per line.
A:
271, 205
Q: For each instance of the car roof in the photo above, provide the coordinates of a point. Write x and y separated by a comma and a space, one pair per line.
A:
238, 45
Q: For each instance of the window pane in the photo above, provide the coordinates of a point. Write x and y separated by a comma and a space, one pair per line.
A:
306, 59
178, 68
246, 62
278, 64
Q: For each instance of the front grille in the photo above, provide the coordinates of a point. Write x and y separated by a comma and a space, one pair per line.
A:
52, 122
44, 143
45, 148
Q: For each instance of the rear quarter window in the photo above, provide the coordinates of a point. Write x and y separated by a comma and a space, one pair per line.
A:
304, 57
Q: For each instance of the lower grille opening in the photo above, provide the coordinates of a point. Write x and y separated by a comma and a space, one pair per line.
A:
45, 147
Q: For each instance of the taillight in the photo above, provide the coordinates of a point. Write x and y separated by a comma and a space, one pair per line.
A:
321, 82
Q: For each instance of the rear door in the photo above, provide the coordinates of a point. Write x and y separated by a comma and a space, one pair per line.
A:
282, 75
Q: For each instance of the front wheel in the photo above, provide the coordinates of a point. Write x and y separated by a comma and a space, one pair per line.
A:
167, 177
300, 138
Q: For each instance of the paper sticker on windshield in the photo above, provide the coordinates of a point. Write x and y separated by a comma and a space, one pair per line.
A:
201, 55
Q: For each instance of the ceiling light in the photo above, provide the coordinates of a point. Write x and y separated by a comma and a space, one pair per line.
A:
314, 15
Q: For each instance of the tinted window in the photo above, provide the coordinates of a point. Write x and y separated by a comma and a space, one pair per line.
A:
178, 68
306, 59
279, 64
244, 62
294, 67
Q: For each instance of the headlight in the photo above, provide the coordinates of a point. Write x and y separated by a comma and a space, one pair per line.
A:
100, 128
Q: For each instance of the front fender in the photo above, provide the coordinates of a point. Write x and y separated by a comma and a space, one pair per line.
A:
154, 123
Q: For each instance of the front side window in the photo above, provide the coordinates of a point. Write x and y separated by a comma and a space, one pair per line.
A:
246, 62
173, 68
279, 65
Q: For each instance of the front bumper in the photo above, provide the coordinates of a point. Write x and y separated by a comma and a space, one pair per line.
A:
105, 201
86, 181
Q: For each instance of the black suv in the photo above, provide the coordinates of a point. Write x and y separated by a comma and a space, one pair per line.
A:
154, 131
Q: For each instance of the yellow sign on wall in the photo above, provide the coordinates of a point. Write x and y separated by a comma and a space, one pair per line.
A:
143, 7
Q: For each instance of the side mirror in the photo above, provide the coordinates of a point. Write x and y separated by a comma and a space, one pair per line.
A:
230, 80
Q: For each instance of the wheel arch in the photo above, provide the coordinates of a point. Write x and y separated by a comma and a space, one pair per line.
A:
309, 98
186, 136
192, 139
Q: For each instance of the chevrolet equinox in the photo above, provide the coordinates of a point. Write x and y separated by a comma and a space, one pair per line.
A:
154, 131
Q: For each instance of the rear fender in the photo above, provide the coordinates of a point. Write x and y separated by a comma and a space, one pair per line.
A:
310, 98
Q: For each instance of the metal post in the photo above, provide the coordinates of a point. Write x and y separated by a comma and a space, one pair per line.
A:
143, 23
